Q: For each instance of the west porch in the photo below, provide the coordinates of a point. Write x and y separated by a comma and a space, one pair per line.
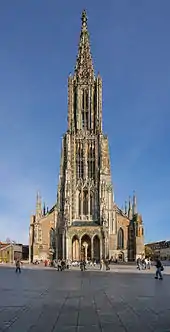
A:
82, 243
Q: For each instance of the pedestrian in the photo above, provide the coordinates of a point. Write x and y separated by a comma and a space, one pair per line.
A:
18, 266
63, 265
67, 264
102, 264
159, 269
138, 263
59, 265
143, 264
82, 265
146, 263
107, 265
149, 263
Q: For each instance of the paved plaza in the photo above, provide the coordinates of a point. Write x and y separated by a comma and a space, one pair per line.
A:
46, 300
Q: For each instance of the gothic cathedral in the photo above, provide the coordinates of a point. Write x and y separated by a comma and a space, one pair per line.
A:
85, 223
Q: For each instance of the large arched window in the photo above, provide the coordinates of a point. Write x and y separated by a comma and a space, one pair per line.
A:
85, 110
91, 203
79, 161
120, 239
85, 202
91, 161
79, 203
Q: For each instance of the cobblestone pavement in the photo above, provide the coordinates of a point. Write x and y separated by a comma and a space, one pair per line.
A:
47, 300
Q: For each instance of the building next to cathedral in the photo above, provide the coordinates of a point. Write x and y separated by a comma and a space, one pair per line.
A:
85, 222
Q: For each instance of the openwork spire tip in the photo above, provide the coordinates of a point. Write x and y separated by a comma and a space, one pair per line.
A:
84, 17
84, 66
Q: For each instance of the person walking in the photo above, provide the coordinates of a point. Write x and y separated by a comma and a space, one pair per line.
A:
59, 265
18, 266
146, 263
107, 265
159, 269
149, 263
138, 262
102, 264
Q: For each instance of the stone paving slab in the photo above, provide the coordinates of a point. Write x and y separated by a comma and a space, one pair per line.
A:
47, 300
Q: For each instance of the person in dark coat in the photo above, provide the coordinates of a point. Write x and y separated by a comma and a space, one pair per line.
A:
159, 269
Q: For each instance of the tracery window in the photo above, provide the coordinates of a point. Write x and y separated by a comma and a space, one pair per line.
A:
120, 239
91, 162
79, 161
85, 202
85, 110
91, 203
79, 203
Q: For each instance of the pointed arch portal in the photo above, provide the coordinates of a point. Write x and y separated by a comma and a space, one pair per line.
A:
75, 248
96, 248
86, 247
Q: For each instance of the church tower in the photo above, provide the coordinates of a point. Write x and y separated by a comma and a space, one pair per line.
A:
85, 193
85, 223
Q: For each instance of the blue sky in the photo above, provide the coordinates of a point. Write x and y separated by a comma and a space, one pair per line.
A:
131, 49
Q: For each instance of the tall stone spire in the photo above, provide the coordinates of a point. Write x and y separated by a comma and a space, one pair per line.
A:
38, 207
84, 71
134, 204
130, 209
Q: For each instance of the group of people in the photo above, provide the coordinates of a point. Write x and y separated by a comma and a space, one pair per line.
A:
145, 263
62, 265
104, 265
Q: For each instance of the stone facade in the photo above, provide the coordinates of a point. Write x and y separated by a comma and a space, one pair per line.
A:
41, 233
86, 219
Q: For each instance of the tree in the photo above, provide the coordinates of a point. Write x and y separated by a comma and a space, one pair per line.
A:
149, 252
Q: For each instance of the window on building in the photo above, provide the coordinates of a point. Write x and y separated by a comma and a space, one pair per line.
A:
85, 202
87, 120
79, 161
91, 203
85, 110
83, 119
120, 239
91, 162
86, 100
79, 203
